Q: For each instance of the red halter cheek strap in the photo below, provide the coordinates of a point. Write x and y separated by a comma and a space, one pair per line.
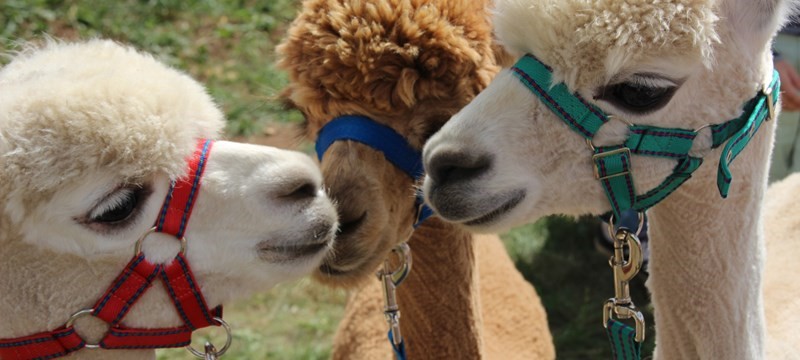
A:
132, 282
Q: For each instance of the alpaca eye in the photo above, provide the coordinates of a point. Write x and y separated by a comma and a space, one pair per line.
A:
638, 97
118, 206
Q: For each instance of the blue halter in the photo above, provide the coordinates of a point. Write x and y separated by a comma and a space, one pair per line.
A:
382, 138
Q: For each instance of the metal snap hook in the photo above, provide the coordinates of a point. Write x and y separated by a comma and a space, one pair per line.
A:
211, 351
403, 253
624, 312
625, 269
390, 279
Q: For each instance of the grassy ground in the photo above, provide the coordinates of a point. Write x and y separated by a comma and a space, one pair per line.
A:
229, 46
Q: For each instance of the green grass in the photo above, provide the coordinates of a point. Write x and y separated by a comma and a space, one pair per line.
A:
229, 46
292, 321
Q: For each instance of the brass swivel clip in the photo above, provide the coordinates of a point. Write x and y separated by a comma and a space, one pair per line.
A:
625, 269
390, 279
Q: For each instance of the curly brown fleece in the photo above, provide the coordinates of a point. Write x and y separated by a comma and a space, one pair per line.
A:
410, 65
394, 58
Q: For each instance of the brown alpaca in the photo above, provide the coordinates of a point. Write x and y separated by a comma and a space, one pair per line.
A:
409, 65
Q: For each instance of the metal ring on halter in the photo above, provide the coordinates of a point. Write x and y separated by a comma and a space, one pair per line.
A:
76, 316
702, 127
222, 351
138, 247
609, 117
612, 230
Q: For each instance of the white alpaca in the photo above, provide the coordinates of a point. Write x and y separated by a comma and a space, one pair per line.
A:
90, 135
506, 159
780, 282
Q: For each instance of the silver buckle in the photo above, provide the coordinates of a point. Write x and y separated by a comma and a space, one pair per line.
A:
607, 154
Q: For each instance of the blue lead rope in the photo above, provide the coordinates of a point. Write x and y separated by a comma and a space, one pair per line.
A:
382, 138
399, 350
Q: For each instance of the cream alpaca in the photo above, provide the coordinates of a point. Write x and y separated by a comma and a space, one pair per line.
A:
514, 161
90, 134
780, 286
408, 65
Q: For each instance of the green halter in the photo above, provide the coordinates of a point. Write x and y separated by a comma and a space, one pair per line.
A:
613, 163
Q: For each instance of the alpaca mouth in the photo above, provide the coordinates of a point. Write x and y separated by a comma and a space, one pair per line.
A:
285, 253
327, 269
321, 239
338, 267
330, 267
498, 212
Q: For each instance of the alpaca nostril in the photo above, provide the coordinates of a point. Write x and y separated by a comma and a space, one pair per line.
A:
301, 191
455, 166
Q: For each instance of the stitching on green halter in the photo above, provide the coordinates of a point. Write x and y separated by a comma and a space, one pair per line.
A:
622, 339
612, 164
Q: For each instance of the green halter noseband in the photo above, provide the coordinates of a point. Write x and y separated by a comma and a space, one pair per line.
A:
613, 163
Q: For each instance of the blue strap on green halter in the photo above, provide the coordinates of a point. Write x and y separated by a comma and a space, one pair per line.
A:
612, 163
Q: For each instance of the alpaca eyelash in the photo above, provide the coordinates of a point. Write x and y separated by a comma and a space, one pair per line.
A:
653, 82
115, 199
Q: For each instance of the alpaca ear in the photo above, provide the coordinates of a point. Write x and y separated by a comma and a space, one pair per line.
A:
755, 21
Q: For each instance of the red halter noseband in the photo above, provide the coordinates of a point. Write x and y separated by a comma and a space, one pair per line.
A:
132, 282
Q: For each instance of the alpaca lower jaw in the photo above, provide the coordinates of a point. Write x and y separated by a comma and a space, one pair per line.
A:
499, 212
462, 206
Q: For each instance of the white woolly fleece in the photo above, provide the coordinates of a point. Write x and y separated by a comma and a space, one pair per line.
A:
83, 126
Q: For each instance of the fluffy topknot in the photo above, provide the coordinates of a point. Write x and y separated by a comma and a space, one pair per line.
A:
387, 58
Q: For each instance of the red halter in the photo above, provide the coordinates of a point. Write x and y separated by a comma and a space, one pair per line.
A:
132, 282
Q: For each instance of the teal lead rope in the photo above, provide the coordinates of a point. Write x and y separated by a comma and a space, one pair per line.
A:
613, 163
623, 341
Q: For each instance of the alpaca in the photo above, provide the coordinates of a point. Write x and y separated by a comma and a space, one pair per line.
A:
408, 65
507, 159
780, 214
90, 135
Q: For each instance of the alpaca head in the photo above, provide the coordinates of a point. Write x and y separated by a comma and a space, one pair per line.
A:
506, 159
90, 136
409, 65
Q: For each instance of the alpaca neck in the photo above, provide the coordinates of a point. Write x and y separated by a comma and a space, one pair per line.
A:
706, 261
42, 289
443, 277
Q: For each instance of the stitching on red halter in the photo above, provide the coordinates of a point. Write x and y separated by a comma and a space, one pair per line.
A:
132, 282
